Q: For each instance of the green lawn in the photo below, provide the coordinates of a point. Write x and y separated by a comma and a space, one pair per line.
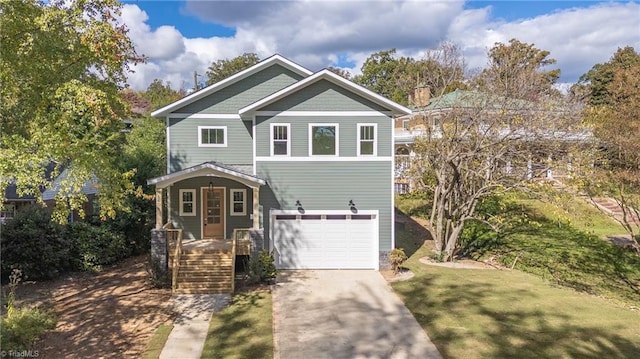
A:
157, 341
580, 297
510, 314
242, 330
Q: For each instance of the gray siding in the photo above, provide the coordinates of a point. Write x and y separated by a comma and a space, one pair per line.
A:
347, 132
184, 150
329, 186
242, 93
323, 96
192, 225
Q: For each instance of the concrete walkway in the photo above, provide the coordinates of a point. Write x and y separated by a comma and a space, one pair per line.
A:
344, 314
189, 332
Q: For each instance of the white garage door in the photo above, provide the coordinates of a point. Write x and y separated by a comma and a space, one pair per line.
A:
320, 240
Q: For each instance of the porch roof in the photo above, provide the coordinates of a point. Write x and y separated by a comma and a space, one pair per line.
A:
207, 169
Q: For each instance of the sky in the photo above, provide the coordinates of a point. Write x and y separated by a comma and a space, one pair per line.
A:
180, 37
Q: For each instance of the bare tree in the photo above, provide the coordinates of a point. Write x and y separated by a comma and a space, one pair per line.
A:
478, 143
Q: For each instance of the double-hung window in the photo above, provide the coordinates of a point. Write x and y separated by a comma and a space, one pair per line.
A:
212, 136
187, 202
238, 202
367, 139
323, 139
280, 139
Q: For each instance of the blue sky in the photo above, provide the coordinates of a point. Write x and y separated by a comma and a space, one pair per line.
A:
179, 37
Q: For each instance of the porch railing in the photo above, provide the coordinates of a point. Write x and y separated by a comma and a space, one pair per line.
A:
233, 265
174, 238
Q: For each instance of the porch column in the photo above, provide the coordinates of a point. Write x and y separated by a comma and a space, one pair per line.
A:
159, 208
256, 208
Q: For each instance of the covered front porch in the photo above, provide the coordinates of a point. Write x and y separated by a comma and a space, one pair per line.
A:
206, 216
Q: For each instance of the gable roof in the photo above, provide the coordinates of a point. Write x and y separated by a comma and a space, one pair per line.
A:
275, 59
211, 168
336, 79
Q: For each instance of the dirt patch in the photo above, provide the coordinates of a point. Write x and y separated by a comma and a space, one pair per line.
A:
461, 263
111, 314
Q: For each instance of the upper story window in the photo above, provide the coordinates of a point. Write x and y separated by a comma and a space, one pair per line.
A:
212, 136
323, 139
187, 202
367, 139
405, 124
238, 202
280, 139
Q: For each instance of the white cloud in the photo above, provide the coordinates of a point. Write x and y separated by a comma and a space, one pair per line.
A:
317, 33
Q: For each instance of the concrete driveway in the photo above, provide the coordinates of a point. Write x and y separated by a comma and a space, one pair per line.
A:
344, 314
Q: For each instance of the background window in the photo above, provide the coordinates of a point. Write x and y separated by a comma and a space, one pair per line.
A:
367, 140
212, 136
280, 137
324, 140
187, 202
238, 202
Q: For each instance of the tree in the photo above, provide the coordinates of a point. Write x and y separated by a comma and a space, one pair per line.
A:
62, 67
221, 69
517, 70
160, 94
478, 144
340, 72
386, 75
612, 92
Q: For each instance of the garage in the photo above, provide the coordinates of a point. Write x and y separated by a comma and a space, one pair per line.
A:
325, 239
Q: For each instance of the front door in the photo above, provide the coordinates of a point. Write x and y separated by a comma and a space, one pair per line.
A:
213, 213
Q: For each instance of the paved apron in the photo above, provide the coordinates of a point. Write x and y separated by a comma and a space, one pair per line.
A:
344, 314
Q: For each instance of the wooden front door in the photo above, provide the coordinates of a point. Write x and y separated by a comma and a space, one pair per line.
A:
213, 213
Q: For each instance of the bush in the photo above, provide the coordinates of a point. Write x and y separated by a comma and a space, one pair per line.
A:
261, 268
34, 244
95, 246
396, 258
22, 326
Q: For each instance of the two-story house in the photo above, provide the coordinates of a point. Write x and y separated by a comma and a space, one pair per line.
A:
304, 160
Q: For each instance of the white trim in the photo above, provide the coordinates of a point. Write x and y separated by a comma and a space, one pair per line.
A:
206, 169
253, 140
224, 135
337, 139
275, 212
324, 113
222, 215
225, 116
168, 144
275, 59
393, 192
181, 203
232, 202
169, 216
324, 158
336, 79
271, 139
375, 139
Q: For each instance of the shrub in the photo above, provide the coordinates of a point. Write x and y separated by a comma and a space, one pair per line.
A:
22, 326
34, 244
261, 268
95, 246
396, 258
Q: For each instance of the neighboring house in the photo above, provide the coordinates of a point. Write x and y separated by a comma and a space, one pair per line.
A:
12, 202
408, 128
303, 159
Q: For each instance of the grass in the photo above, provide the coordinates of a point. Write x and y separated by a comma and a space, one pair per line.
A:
242, 330
511, 314
157, 341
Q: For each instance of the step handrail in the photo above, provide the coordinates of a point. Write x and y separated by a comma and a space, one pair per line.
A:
176, 259
233, 265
